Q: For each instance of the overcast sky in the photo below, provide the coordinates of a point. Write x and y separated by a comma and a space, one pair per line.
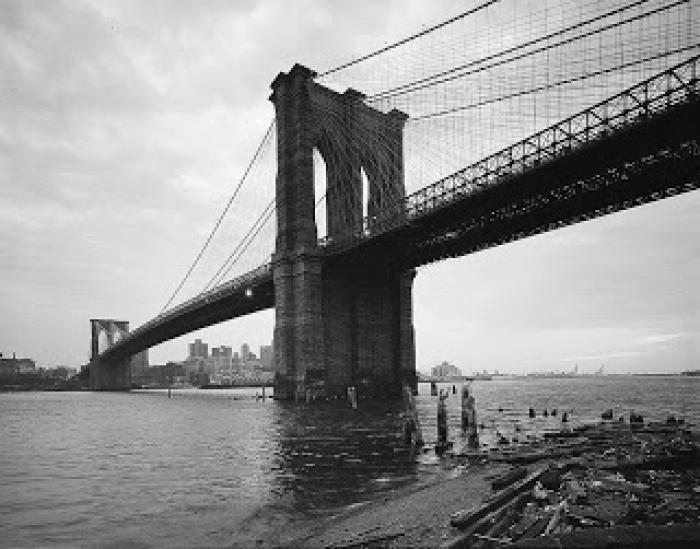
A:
125, 125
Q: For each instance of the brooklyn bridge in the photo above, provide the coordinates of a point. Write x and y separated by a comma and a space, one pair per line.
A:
550, 125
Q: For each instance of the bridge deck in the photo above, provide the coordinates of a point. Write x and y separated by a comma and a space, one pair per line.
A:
649, 160
587, 165
241, 296
638, 146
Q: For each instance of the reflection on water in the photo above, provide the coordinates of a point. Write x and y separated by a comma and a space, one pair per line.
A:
210, 468
330, 455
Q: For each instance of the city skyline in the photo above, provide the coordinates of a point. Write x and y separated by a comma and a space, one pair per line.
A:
127, 126
201, 348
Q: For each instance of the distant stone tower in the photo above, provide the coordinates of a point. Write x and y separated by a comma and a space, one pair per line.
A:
108, 375
337, 324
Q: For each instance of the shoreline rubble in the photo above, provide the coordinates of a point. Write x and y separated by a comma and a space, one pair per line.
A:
601, 485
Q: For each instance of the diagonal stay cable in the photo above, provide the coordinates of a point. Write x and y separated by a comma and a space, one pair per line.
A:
241, 247
556, 84
267, 215
221, 217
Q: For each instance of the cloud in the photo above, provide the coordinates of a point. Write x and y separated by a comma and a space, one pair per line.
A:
661, 339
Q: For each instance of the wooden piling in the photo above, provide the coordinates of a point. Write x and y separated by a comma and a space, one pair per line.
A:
465, 408
412, 433
441, 424
352, 397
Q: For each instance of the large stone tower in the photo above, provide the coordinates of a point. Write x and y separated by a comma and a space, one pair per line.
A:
337, 324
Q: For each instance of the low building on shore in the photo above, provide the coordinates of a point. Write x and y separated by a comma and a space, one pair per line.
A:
16, 366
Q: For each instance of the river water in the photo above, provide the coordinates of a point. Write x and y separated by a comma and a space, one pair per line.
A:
220, 468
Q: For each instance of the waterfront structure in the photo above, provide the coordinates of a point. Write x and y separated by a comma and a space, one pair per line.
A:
61, 372
161, 375
16, 366
343, 312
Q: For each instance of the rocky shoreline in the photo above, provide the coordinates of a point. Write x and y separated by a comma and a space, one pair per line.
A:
604, 485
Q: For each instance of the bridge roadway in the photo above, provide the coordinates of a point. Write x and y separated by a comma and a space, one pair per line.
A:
241, 296
638, 146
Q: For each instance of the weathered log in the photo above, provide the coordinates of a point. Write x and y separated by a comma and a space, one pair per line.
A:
509, 477
465, 519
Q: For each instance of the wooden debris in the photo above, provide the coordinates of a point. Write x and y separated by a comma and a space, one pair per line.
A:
467, 518
509, 477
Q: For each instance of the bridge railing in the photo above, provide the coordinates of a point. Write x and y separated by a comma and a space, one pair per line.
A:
207, 297
675, 85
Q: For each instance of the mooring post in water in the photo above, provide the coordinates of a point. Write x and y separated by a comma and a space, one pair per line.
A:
433, 389
406, 396
465, 408
407, 427
417, 431
473, 433
469, 410
169, 392
352, 397
441, 445
412, 433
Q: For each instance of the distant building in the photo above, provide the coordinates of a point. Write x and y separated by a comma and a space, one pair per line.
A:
245, 352
266, 357
193, 364
14, 366
7, 368
223, 351
445, 370
162, 375
221, 360
199, 349
60, 372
